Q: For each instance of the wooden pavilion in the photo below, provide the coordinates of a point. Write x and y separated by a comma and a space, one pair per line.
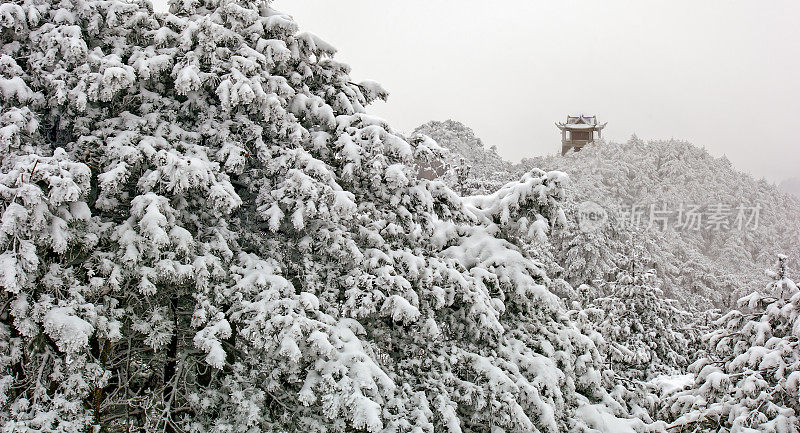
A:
578, 131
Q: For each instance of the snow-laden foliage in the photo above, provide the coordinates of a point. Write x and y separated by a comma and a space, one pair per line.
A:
749, 381
466, 164
791, 186
643, 330
203, 231
742, 376
700, 268
642, 336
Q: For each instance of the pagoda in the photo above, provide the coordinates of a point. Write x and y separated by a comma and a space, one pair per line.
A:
578, 131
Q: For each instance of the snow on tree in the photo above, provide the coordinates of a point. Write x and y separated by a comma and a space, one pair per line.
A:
643, 330
698, 267
749, 380
701, 268
473, 169
588, 255
641, 336
203, 230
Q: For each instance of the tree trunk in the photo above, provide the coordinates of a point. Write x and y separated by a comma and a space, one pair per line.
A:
170, 367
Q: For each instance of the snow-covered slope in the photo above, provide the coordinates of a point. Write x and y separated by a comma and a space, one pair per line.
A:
791, 186
711, 260
203, 230
723, 229
748, 381
473, 167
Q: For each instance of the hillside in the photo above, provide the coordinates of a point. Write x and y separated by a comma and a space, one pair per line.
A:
714, 254
791, 185
468, 155
204, 230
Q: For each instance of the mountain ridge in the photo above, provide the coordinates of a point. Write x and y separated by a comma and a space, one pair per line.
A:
661, 176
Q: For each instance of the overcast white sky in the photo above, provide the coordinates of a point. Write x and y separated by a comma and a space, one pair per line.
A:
721, 74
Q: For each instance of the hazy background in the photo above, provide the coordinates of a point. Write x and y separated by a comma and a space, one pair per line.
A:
721, 74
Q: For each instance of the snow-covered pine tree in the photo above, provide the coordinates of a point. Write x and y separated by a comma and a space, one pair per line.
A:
749, 380
644, 328
474, 169
701, 268
643, 335
588, 256
203, 231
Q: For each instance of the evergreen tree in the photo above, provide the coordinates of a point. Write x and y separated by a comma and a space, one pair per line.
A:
749, 380
642, 335
643, 330
204, 231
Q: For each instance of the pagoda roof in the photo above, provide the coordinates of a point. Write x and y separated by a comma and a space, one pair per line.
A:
581, 122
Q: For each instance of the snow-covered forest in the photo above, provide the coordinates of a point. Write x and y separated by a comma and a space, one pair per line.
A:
792, 186
205, 230
701, 268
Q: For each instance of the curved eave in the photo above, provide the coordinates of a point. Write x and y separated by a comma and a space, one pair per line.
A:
580, 126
